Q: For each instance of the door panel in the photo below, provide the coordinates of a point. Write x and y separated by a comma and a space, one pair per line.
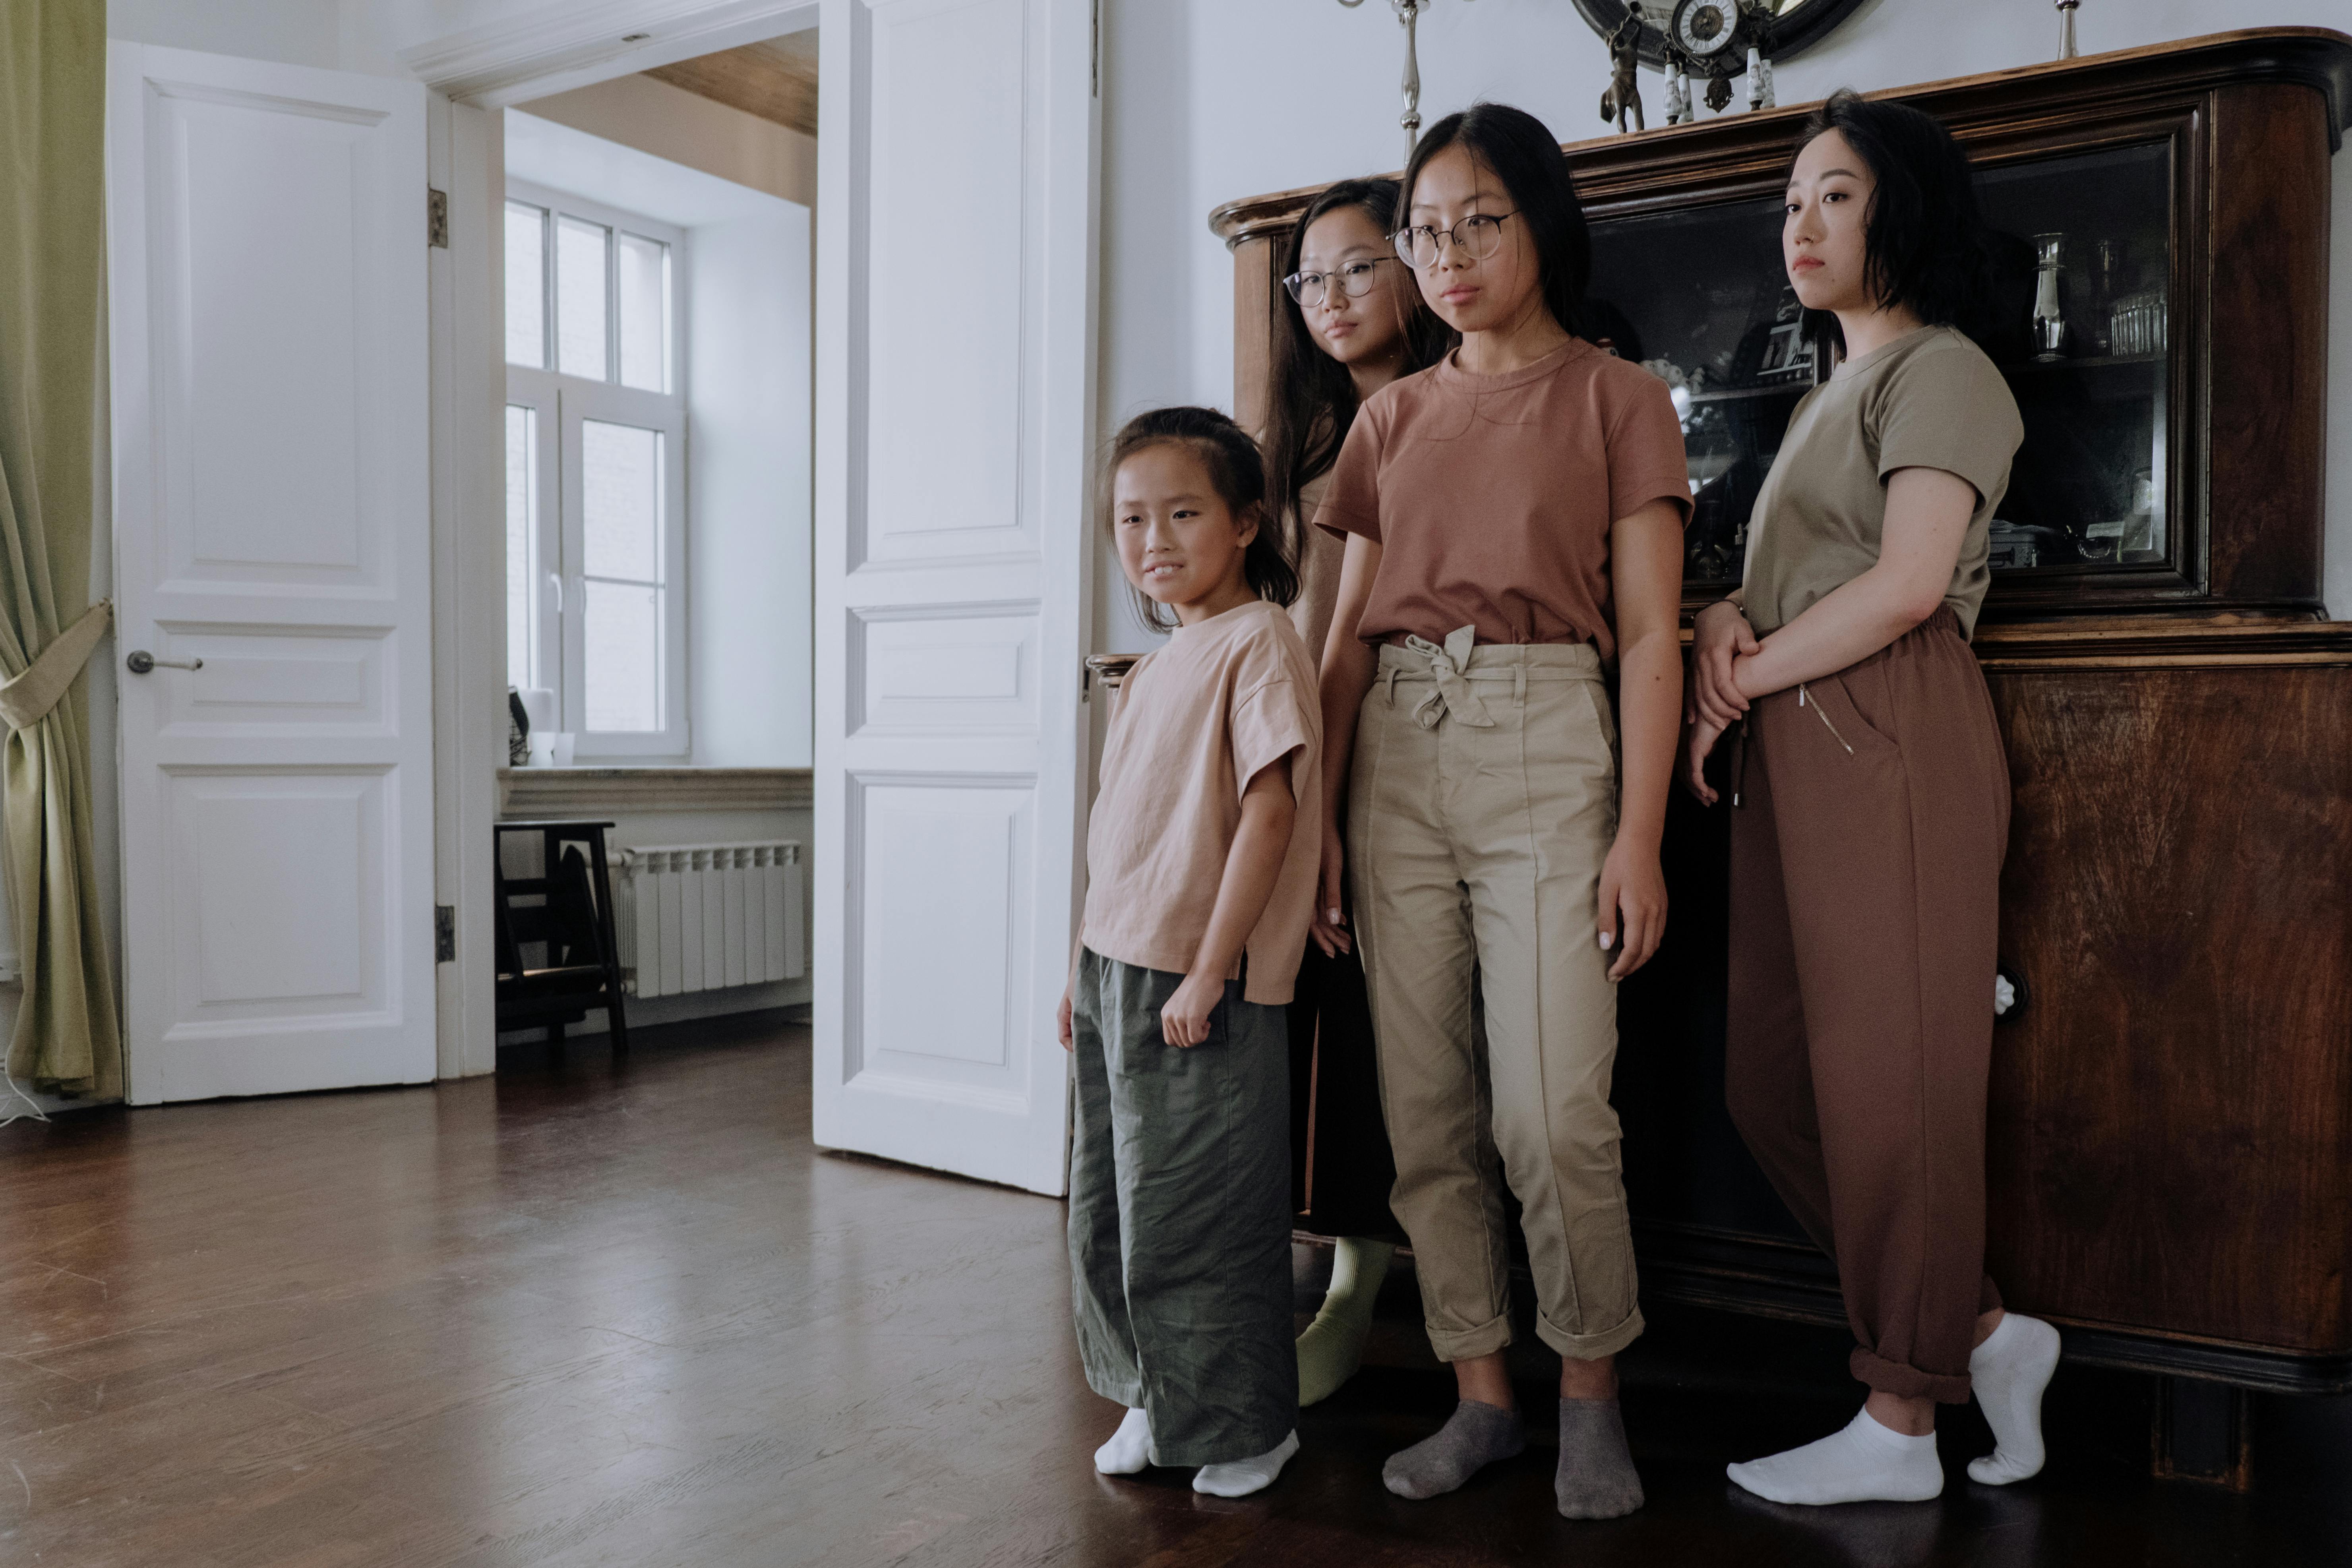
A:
955, 400
266, 260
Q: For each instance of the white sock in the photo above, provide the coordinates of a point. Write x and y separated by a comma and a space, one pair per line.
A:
2009, 1371
1130, 1448
1243, 1476
1865, 1463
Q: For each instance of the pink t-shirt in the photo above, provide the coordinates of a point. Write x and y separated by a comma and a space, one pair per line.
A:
1491, 496
1197, 719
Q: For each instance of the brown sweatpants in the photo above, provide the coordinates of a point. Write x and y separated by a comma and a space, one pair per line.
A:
1870, 820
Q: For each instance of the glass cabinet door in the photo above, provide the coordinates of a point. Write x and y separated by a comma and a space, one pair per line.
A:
2083, 335
2081, 329
1698, 297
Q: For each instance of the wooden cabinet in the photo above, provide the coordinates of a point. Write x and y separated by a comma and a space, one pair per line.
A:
2170, 1155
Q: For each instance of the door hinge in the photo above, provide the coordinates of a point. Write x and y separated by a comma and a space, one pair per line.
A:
445, 933
437, 218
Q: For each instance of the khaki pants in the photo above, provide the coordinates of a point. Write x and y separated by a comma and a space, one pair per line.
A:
1866, 842
1482, 804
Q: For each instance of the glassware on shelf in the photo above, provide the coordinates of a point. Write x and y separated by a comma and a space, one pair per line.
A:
2140, 539
2138, 325
2049, 304
2107, 281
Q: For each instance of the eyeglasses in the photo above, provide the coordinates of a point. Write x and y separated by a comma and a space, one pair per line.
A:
1474, 237
1355, 280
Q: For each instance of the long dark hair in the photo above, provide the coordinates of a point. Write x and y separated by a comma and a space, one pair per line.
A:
1310, 398
1526, 157
1236, 473
1924, 244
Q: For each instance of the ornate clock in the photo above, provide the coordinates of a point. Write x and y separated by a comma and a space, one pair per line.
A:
1714, 36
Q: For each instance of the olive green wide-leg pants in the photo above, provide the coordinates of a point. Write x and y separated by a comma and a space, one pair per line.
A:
1180, 1216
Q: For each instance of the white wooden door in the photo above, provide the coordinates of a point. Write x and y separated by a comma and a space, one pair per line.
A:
267, 254
955, 359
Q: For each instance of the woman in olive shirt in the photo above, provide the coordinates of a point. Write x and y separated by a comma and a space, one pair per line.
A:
1871, 807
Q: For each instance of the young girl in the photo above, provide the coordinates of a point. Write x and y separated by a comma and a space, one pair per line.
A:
1871, 807
1513, 520
1201, 863
1351, 322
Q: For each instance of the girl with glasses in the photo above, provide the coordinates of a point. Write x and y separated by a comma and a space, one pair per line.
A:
1871, 806
1352, 322
1514, 524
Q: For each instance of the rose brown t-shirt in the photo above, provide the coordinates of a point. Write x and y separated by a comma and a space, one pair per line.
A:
1491, 496
1197, 719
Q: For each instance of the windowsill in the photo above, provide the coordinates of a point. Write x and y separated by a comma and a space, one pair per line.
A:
542, 791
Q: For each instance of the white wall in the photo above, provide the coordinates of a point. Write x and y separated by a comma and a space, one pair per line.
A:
1204, 100
294, 32
748, 452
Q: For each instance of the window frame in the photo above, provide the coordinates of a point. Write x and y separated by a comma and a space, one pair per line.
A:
563, 401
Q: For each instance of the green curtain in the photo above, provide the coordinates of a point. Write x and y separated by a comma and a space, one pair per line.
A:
52, 304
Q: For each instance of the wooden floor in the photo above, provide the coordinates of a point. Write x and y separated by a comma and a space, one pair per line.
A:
580, 1315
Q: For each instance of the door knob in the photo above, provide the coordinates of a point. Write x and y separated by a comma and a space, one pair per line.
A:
139, 661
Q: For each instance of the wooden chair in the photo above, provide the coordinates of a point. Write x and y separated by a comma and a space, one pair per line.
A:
568, 910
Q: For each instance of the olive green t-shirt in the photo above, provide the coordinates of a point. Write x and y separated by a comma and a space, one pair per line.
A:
1930, 399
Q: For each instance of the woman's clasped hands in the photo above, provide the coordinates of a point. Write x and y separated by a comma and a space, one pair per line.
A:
1713, 703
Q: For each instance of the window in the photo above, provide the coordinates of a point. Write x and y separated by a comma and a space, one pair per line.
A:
595, 471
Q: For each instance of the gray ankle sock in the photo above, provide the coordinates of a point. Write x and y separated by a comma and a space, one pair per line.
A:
1596, 1477
1476, 1435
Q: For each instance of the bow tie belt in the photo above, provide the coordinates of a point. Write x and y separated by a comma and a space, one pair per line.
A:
1455, 669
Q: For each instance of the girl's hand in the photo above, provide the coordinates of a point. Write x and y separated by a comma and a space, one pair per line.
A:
1633, 907
1330, 925
1720, 635
1185, 1020
1062, 1019
1699, 740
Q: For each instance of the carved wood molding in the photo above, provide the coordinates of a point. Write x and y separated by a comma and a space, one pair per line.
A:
544, 791
1724, 147
2222, 643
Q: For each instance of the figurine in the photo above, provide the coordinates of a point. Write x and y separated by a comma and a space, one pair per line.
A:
1624, 94
1760, 80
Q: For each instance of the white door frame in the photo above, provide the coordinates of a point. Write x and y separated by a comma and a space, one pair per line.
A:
473, 75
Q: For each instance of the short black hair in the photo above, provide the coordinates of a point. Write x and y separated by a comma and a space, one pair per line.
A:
1235, 471
1926, 247
1524, 156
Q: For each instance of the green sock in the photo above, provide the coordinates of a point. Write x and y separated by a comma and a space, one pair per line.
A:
1333, 1345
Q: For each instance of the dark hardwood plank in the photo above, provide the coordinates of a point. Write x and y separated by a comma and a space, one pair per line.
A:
585, 1314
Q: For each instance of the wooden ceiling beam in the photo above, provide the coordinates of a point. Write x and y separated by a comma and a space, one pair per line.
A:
763, 79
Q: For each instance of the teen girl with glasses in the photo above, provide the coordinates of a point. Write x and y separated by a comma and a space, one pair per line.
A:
1514, 524
1352, 322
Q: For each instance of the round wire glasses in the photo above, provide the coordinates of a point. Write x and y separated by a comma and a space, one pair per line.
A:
1355, 280
1475, 237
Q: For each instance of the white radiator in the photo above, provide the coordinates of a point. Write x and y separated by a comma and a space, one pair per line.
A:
698, 917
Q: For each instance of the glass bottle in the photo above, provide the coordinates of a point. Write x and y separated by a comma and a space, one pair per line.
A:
2049, 307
